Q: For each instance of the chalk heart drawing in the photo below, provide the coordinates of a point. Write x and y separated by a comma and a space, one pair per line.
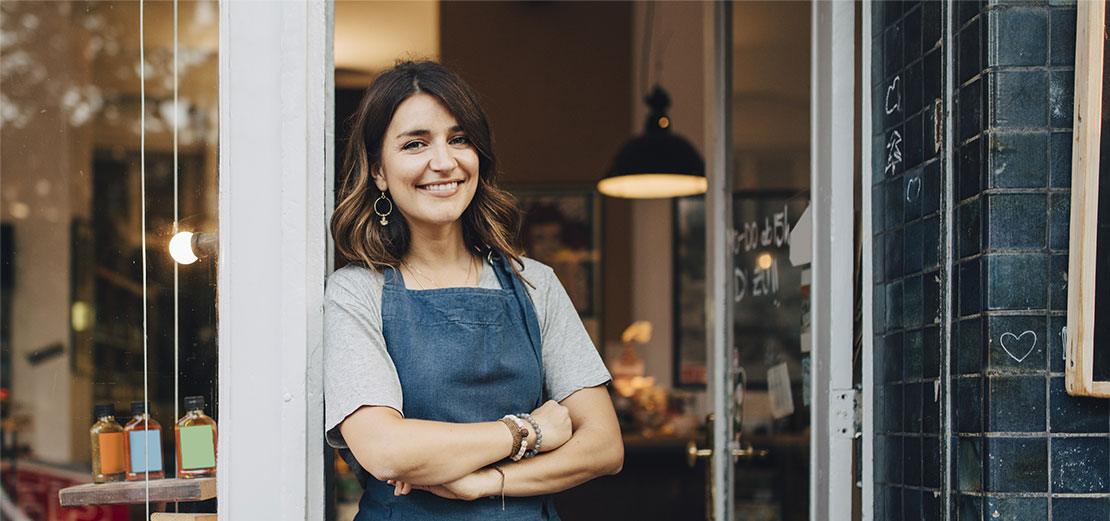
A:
1012, 343
913, 189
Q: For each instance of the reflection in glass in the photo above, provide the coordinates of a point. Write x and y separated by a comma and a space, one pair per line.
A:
71, 334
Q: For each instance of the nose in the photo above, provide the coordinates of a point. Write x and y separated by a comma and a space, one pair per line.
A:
442, 160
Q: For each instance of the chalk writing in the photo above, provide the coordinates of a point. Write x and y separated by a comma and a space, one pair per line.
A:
893, 97
775, 231
913, 189
1012, 343
756, 280
893, 153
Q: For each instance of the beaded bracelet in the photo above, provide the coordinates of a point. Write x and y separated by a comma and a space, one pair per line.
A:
539, 435
519, 447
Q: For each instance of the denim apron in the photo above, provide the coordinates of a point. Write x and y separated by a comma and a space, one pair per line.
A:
463, 355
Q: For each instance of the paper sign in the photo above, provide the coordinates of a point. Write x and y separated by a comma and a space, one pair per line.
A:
111, 452
198, 451
141, 443
782, 398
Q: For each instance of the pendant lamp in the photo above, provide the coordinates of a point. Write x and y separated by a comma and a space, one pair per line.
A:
657, 163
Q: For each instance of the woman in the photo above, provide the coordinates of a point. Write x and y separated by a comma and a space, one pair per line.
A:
439, 338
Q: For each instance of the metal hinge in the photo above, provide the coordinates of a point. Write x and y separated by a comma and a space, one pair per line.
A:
844, 413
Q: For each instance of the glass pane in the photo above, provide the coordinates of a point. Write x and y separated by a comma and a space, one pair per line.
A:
770, 169
79, 221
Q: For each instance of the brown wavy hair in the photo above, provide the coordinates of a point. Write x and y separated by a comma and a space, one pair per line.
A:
492, 220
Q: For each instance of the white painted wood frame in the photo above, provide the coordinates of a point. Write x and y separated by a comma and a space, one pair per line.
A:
275, 63
867, 408
832, 203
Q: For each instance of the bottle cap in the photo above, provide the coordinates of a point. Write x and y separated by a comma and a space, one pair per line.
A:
194, 402
104, 409
137, 408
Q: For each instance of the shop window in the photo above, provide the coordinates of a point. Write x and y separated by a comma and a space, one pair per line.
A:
95, 310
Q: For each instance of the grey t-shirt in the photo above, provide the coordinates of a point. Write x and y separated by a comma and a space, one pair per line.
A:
358, 370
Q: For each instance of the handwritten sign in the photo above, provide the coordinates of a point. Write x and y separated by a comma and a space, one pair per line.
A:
758, 276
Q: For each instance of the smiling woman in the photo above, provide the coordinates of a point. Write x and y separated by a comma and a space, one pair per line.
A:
449, 376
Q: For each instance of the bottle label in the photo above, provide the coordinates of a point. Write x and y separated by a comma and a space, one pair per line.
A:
146, 446
111, 452
198, 447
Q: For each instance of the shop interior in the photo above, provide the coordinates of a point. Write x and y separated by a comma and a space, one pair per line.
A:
95, 310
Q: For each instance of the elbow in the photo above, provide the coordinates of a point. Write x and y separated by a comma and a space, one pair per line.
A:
384, 463
613, 462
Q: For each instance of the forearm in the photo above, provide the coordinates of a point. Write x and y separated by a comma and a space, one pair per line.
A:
422, 452
590, 453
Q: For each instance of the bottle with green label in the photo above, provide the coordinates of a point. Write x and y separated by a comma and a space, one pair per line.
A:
143, 439
107, 445
195, 434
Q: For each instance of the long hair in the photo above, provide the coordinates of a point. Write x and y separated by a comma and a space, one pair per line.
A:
492, 220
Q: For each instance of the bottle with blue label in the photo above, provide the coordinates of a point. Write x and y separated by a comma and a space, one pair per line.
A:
143, 437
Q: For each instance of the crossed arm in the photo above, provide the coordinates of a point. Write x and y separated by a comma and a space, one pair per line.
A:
452, 459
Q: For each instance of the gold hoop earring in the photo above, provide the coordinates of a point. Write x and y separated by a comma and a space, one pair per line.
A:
384, 221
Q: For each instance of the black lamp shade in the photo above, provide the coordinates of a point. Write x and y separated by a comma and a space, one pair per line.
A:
657, 163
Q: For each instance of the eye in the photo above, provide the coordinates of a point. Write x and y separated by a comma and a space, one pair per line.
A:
412, 145
460, 140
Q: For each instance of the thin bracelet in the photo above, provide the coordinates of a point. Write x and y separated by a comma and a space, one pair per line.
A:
502, 472
539, 435
519, 447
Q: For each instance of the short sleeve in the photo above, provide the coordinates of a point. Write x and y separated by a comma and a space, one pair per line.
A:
570, 360
358, 370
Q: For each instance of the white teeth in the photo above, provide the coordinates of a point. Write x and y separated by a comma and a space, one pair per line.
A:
442, 186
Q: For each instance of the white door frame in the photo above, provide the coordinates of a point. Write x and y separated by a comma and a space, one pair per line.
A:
867, 408
832, 147
275, 170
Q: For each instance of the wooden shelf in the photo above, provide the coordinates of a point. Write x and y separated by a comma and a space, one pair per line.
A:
122, 492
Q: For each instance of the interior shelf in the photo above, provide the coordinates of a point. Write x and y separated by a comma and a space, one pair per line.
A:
121, 492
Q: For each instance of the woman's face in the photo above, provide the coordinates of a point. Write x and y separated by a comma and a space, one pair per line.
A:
428, 164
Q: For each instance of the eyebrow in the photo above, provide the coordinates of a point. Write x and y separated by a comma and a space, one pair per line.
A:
425, 132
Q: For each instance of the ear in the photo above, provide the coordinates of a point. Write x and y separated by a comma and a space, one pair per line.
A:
379, 179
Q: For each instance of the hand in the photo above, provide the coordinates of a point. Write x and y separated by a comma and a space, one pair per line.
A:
477, 484
555, 425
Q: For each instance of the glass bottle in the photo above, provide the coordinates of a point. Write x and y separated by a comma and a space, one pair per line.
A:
195, 437
144, 444
108, 450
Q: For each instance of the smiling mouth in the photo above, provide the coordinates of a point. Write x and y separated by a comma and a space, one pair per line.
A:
439, 187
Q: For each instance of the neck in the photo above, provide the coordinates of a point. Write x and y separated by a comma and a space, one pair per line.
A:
437, 248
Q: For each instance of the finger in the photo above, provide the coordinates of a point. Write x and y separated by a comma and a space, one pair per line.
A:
405, 488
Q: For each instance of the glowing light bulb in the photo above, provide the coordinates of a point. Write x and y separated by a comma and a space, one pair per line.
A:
181, 248
764, 260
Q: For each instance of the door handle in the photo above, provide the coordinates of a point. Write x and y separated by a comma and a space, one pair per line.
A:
749, 453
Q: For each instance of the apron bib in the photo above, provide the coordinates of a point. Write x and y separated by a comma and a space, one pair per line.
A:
463, 355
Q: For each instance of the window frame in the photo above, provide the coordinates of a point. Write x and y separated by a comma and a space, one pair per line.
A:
276, 169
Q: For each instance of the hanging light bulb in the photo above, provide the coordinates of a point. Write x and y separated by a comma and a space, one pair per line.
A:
187, 247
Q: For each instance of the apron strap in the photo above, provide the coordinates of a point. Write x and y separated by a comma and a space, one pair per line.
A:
510, 281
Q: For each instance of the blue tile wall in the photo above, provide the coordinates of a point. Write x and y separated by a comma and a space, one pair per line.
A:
907, 194
1020, 447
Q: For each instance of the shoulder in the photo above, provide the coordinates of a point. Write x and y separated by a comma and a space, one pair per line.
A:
536, 272
353, 280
